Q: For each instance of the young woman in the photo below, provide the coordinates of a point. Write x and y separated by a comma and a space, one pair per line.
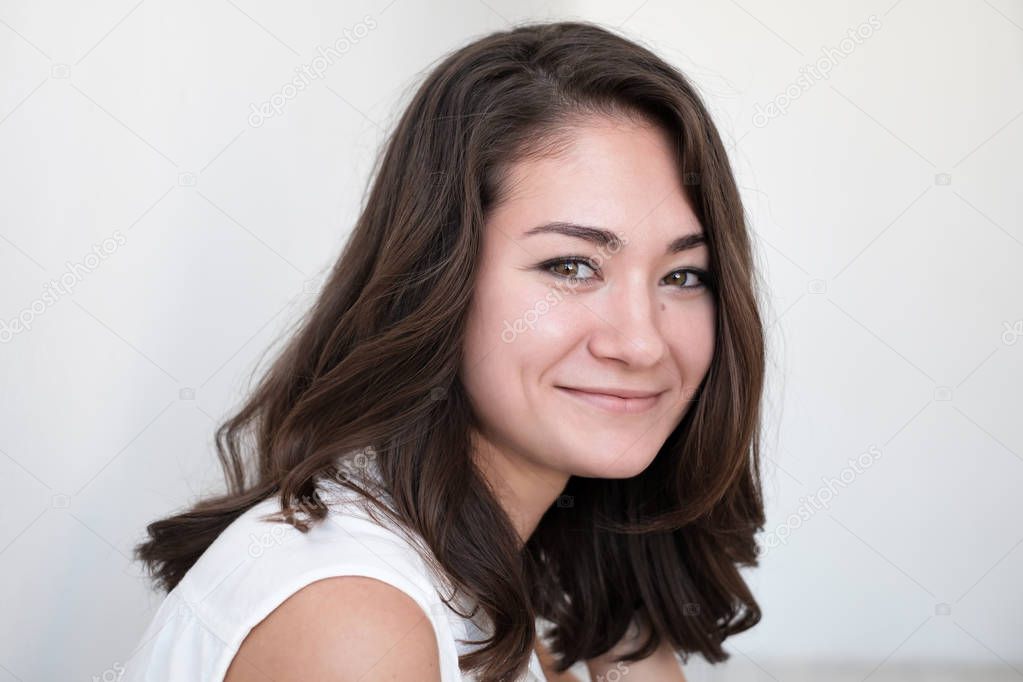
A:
519, 428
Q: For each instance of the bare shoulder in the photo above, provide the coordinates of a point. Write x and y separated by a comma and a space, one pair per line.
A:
340, 628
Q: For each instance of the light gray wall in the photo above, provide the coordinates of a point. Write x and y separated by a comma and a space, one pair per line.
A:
884, 200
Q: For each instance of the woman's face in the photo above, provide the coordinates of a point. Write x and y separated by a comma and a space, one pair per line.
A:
633, 320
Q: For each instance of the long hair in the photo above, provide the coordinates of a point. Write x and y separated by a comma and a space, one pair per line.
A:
375, 363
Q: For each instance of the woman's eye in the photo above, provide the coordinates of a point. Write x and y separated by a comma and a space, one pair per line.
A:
581, 269
569, 268
683, 278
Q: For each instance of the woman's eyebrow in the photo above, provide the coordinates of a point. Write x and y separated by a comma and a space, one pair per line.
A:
609, 239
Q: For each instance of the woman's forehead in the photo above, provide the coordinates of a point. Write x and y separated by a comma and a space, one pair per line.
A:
614, 172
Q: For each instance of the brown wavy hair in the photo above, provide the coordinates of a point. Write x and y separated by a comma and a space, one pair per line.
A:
375, 363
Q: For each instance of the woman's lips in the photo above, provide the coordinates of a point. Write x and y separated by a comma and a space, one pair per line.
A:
613, 403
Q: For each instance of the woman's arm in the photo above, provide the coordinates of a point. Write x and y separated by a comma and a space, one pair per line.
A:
547, 663
662, 665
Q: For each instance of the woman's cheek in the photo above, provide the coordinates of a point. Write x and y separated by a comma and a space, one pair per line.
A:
562, 317
699, 335
531, 311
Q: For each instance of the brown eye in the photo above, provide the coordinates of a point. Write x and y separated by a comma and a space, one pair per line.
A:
684, 278
569, 268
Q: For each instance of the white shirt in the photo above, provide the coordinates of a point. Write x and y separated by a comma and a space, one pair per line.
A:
254, 565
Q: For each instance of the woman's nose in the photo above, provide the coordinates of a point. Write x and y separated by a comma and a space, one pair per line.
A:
625, 325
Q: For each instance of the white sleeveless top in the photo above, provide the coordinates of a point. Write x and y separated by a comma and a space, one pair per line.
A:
254, 565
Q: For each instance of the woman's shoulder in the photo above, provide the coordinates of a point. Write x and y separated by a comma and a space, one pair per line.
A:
257, 563
257, 560
360, 623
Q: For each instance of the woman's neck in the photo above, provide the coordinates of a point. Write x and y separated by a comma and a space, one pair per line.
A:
524, 489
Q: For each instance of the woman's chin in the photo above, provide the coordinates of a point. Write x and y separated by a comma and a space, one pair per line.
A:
615, 466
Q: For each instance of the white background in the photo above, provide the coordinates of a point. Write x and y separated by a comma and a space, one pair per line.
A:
886, 208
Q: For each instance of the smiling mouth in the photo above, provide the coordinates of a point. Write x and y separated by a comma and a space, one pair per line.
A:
613, 403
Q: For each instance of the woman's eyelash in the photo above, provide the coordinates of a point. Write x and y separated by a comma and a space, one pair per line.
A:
547, 266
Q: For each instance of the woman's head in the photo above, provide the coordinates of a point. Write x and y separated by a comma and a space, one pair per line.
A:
444, 321
594, 273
